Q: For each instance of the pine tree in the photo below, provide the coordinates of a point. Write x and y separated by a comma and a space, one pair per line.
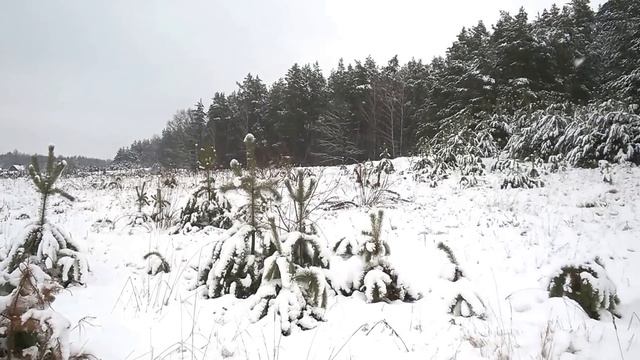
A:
378, 279
205, 207
29, 327
293, 281
618, 46
237, 261
45, 244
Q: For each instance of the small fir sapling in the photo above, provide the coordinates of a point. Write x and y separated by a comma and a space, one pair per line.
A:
465, 302
518, 178
385, 165
556, 164
259, 192
141, 197
142, 200
293, 281
236, 263
430, 170
605, 170
45, 244
471, 167
378, 278
160, 205
205, 207
588, 285
29, 327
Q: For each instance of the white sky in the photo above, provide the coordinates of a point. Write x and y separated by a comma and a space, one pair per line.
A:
92, 76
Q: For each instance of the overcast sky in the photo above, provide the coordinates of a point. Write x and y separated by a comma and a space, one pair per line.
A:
92, 76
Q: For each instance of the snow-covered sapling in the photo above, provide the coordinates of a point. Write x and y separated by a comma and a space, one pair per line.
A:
605, 170
464, 301
142, 199
587, 284
379, 280
156, 263
385, 165
258, 192
518, 178
430, 170
301, 186
29, 327
293, 281
45, 244
237, 260
205, 207
161, 215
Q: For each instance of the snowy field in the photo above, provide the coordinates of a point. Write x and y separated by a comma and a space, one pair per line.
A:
509, 243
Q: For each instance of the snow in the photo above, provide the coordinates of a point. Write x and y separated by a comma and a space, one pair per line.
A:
509, 243
249, 138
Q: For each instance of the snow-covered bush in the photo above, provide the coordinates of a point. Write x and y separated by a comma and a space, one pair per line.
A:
609, 131
45, 244
29, 327
587, 284
293, 281
236, 264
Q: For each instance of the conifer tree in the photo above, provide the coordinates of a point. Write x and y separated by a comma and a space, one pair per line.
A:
45, 244
258, 191
293, 281
378, 279
29, 327
205, 207
237, 260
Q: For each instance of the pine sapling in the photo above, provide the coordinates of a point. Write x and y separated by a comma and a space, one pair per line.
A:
464, 301
45, 182
236, 263
46, 244
378, 279
29, 328
589, 285
142, 199
205, 207
293, 281
257, 191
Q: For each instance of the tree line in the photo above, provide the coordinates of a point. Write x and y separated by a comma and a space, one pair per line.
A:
73, 162
362, 110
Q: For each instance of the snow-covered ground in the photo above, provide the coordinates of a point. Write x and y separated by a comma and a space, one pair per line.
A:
508, 243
